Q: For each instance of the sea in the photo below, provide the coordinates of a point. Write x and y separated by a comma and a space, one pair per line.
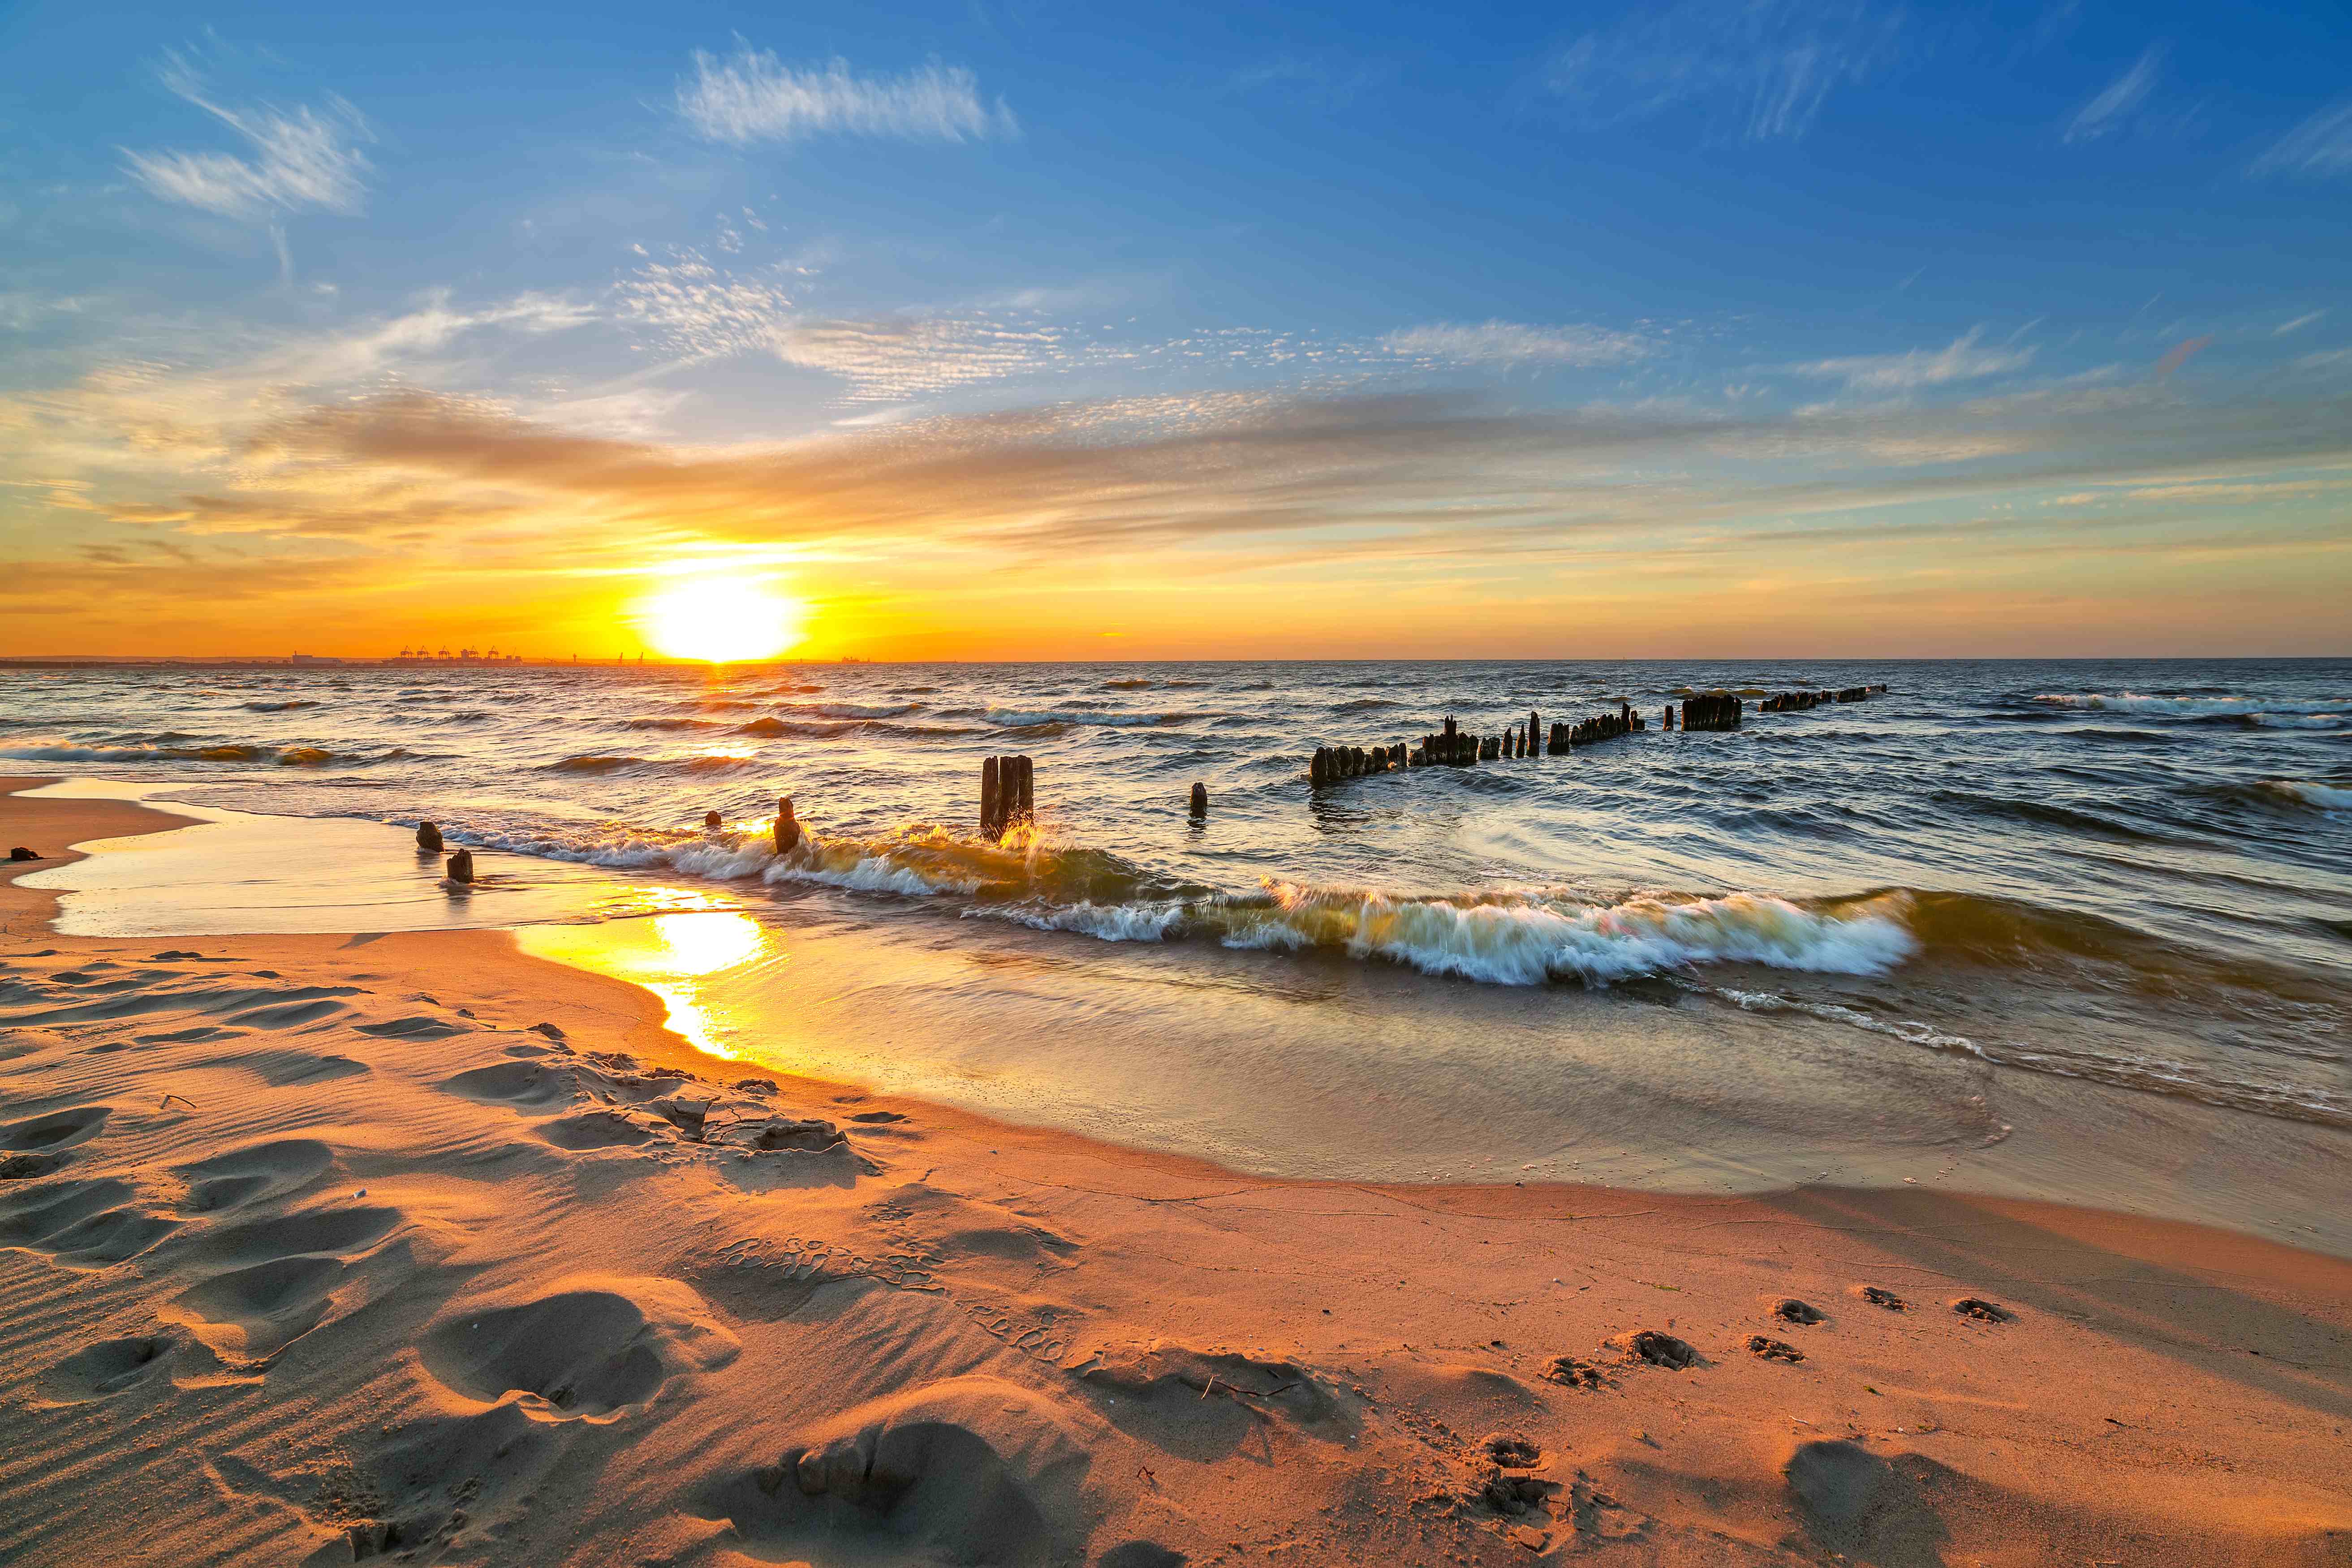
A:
2110, 902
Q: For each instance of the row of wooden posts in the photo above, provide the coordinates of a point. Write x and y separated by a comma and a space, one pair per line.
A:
1008, 785
1797, 701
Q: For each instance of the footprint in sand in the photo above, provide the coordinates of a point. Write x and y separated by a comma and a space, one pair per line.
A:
1774, 1350
596, 1130
57, 1129
253, 1313
520, 1082
259, 1171
1983, 1310
104, 1370
1791, 1310
1886, 1299
81, 1224
1509, 1453
1658, 1349
1574, 1373
280, 1278
591, 1348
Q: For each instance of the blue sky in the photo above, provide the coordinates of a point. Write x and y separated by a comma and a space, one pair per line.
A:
1934, 310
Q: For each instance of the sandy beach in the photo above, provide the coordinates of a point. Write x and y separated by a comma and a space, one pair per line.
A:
321, 1248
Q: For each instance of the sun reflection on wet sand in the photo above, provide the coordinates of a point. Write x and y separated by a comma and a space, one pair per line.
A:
675, 956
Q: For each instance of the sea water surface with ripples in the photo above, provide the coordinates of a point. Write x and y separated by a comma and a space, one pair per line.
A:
2135, 875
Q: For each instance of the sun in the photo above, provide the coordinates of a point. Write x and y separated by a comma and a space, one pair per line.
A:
720, 620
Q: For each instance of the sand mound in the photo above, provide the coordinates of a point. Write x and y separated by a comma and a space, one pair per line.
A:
973, 1470
590, 1348
1854, 1502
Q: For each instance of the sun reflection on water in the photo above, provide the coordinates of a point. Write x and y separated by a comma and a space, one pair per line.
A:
676, 956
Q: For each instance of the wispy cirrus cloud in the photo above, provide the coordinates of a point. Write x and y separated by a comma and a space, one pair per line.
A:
1512, 343
752, 96
2297, 324
300, 158
1762, 69
1964, 359
2321, 147
2113, 107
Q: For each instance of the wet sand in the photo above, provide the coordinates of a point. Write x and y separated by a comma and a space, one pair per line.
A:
321, 1247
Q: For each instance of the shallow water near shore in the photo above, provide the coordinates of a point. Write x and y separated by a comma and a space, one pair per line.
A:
1691, 1037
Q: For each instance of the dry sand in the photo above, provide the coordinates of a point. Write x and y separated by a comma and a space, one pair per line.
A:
321, 1248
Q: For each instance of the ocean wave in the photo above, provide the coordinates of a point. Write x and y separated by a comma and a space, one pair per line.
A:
2195, 707
290, 757
2305, 792
1018, 719
1525, 941
1130, 685
288, 706
595, 764
673, 723
2297, 720
1365, 704
2048, 814
855, 709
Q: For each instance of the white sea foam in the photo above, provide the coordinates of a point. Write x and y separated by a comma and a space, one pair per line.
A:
2257, 708
1916, 1033
864, 874
1108, 922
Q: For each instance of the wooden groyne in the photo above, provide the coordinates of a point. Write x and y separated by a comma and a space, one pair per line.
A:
1797, 701
1713, 711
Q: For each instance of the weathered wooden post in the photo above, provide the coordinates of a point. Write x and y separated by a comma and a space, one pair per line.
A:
428, 837
712, 819
1025, 793
461, 865
992, 800
788, 829
1200, 799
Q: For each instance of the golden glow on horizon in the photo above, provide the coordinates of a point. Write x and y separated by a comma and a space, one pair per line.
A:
721, 620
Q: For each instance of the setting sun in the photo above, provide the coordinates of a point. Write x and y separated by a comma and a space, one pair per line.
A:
722, 621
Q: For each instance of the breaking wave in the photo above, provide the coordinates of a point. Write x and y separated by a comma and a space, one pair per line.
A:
2298, 720
2304, 792
2257, 708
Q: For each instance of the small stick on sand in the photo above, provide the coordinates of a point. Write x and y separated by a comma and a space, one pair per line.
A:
183, 1099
